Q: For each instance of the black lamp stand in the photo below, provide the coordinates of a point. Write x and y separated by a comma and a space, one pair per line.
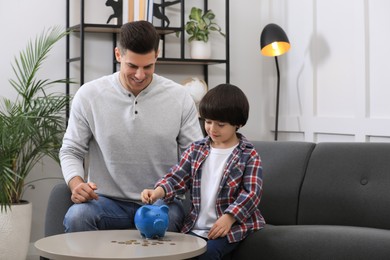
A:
277, 98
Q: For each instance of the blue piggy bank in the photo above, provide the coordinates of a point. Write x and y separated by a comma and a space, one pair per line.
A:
152, 221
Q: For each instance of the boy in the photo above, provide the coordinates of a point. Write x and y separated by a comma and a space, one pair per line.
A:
223, 173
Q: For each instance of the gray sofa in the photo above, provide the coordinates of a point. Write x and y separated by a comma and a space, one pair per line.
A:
320, 201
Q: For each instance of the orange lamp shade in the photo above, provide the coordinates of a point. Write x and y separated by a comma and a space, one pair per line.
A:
273, 41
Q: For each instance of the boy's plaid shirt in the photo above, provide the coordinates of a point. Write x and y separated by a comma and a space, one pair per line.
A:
239, 192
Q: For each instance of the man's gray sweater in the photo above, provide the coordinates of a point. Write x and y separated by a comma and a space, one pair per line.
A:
131, 141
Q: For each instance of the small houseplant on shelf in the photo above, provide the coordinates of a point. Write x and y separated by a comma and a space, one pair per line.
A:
31, 127
199, 26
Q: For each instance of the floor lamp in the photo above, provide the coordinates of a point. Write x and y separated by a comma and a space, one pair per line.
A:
274, 42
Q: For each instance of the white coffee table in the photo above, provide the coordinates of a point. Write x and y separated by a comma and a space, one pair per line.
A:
119, 244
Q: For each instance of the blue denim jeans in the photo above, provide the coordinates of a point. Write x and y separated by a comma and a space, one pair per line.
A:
216, 248
106, 213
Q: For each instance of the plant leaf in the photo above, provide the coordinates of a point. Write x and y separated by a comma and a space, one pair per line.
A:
33, 125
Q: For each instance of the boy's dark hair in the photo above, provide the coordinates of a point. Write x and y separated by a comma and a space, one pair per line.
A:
225, 103
140, 37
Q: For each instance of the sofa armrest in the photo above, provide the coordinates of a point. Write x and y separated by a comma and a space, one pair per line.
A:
58, 204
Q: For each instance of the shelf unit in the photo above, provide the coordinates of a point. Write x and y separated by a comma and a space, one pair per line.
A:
82, 29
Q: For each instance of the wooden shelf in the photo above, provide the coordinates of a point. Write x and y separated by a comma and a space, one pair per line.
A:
173, 61
108, 28
178, 61
82, 30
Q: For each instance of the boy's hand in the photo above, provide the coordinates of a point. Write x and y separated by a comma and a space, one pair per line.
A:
222, 226
150, 196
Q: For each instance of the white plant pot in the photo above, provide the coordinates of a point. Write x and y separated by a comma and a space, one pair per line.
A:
15, 229
200, 50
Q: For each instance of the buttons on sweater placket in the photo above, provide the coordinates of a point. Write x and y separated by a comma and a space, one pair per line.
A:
135, 102
135, 106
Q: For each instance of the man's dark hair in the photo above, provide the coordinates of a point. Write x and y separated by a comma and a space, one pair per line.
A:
225, 103
140, 37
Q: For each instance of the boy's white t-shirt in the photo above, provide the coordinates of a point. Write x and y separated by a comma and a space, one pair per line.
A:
212, 172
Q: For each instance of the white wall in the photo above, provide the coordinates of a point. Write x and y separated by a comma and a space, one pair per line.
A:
334, 80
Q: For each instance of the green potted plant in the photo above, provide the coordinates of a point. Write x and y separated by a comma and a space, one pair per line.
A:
199, 26
31, 127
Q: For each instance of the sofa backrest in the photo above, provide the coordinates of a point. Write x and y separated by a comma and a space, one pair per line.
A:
347, 184
284, 165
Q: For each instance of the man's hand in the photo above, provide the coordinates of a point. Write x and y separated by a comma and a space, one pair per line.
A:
221, 227
81, 191
150, 196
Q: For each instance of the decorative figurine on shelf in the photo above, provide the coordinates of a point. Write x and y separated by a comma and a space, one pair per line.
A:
117, 7
159, 14
196, 88
152, 221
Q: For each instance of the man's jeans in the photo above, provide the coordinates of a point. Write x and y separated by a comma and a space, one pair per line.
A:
106, 213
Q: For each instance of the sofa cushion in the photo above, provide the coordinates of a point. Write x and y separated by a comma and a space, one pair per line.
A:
347, 184
315, 242
284, 165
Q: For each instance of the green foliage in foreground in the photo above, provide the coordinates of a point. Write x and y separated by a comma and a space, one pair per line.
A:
33, 125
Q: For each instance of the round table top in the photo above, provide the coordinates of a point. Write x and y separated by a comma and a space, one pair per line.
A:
119, 244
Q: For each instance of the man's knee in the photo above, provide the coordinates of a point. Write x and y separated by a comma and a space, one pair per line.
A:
176, 214
79, 218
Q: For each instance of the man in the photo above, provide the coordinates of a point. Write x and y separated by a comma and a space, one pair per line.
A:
132, 125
